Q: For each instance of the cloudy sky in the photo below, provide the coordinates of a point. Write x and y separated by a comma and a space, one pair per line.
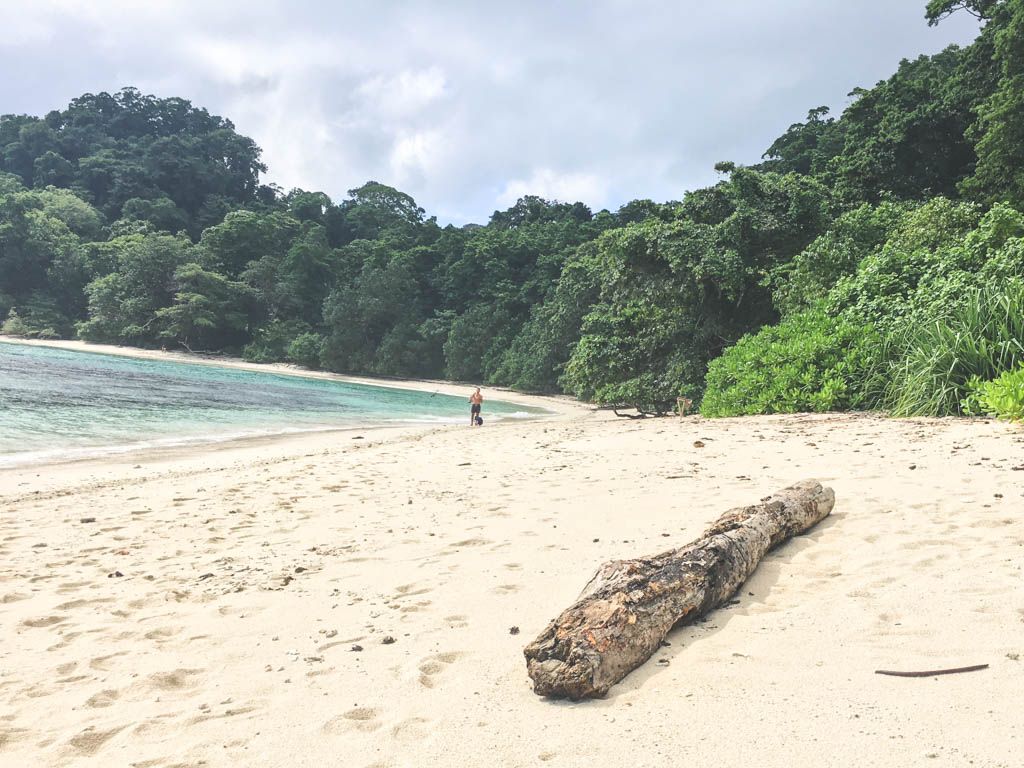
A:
469, 105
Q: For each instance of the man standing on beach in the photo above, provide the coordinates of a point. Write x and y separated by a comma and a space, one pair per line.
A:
475, 401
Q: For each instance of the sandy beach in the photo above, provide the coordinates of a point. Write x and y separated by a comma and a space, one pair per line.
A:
328, 600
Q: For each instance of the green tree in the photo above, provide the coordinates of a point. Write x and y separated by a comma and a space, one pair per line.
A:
244, 237
674, 295
124, 303
536, 358
208, 310
375, 208
807, 279
999, 130
306, 274
112, 148
305, 349
940, 9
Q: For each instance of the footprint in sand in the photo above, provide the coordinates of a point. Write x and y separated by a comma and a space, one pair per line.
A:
476, 542
174, 680
434, 665
10, 735
45, 621
66, 639
457, 621
162, 633
409, 590
100, 662
81, 603
89, 741
415, 607
361, 719
410, 730
103, 699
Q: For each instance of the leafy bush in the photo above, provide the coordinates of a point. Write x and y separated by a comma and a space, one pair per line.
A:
36, 319
808, 362
305, 349
939, 361
475, 342
1002, 397
924, 254
14, 325
271, 343
632, 356
807, 279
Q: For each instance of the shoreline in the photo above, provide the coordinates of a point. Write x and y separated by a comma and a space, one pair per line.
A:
559, 404
554, 407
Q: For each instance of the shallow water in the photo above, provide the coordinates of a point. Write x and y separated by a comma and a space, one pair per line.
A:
56, 403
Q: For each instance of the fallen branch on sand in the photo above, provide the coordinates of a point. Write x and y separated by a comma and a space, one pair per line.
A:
624, 613
932, 672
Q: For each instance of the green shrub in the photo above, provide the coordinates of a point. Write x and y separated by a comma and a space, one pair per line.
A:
632, 356
28, 327
934, 261
923, 256
808, 362
939, 361
971, 404
803, 282
271, 343
14, 325
305, 349
1002, 397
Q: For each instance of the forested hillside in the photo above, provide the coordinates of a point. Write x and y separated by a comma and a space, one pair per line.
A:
872, 259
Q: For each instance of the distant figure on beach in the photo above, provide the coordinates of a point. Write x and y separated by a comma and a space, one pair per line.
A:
475, 401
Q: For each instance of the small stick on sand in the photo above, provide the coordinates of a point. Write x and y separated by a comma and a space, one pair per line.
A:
932, 672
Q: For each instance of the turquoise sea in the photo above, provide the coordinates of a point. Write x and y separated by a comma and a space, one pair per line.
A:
59, 404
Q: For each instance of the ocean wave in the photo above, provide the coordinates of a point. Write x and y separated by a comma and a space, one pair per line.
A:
520, 415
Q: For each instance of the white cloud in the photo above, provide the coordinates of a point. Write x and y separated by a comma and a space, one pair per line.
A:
566, 187
402, 94
418, 153
466, 108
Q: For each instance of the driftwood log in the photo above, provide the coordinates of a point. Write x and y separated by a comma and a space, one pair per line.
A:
624, 613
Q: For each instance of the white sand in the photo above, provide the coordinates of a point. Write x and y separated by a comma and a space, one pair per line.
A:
250, 571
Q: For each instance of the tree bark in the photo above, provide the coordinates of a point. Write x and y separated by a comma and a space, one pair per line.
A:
624, 613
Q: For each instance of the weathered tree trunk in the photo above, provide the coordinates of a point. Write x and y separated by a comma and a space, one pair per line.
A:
626, 610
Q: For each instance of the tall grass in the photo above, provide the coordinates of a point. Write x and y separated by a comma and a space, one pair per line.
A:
983, 337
